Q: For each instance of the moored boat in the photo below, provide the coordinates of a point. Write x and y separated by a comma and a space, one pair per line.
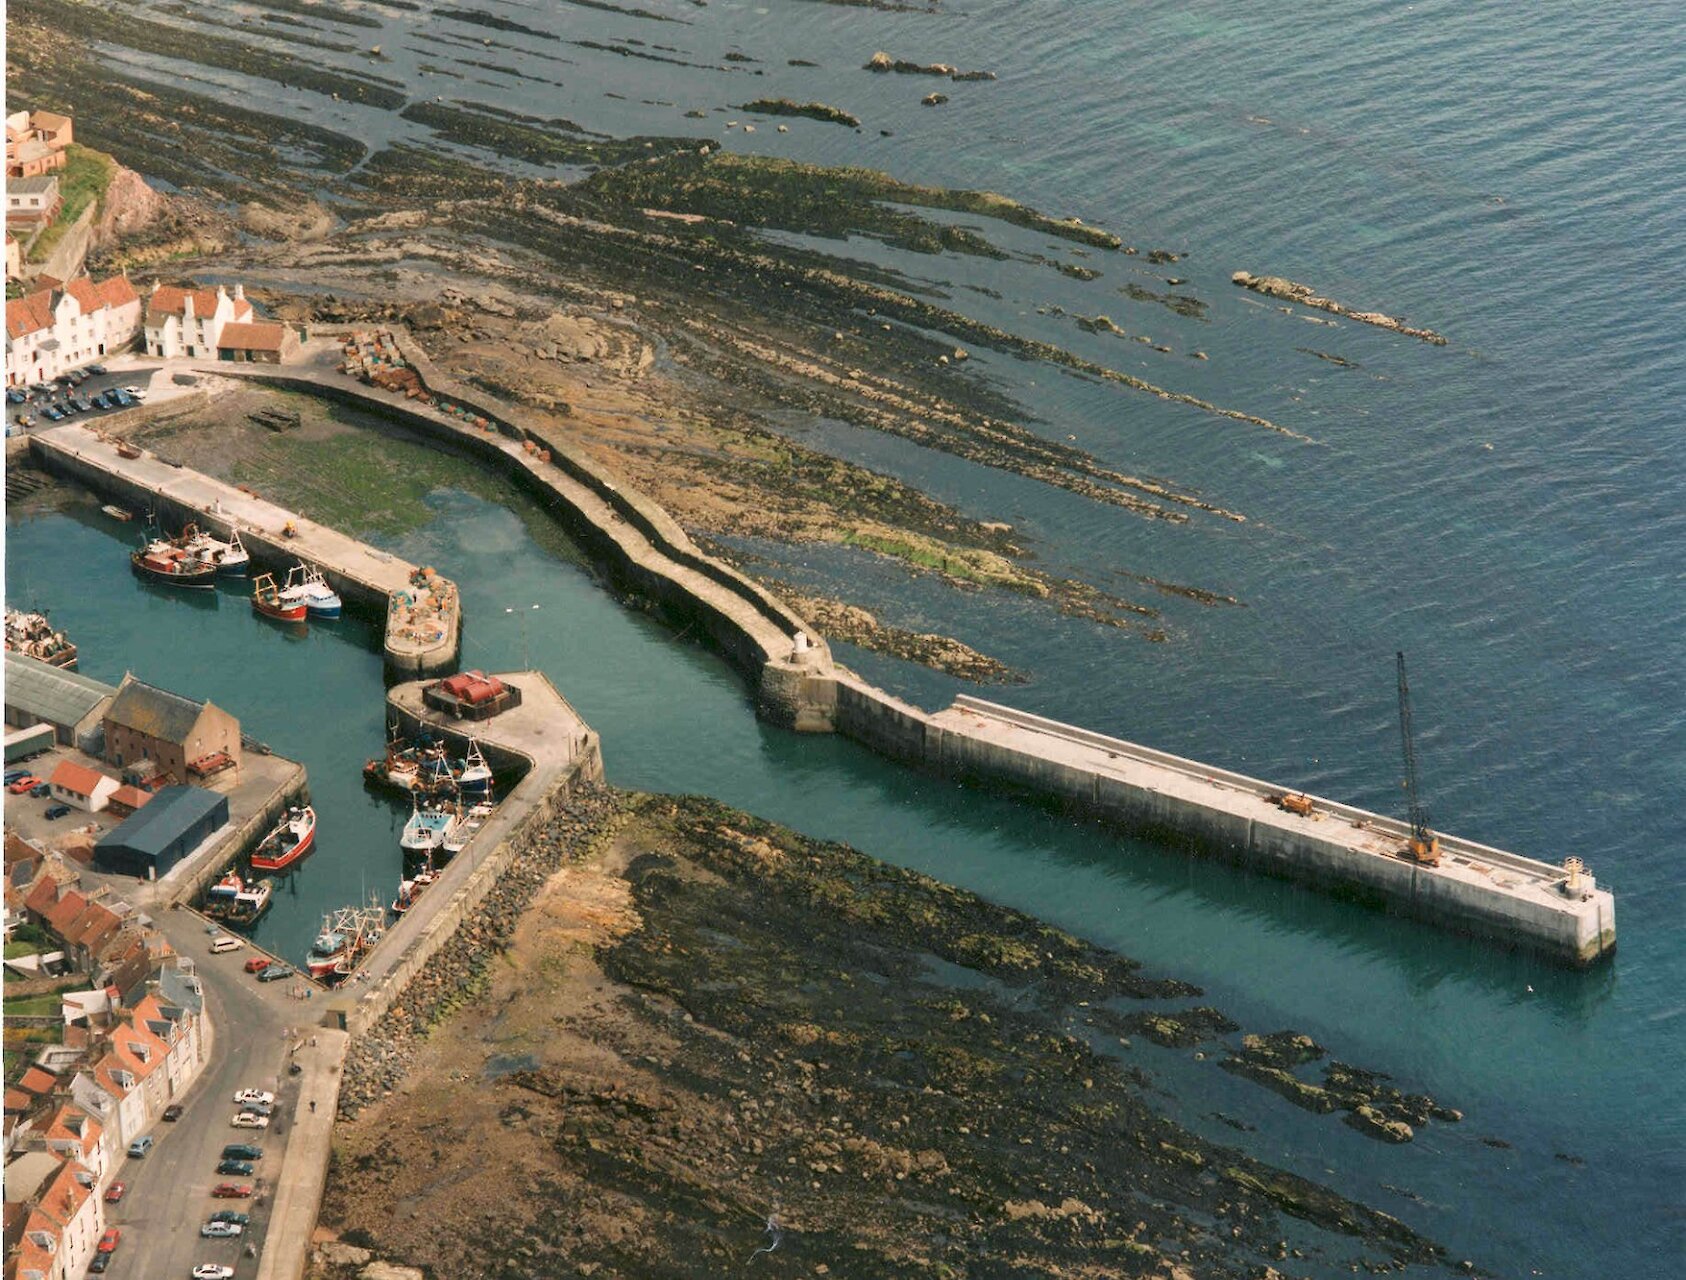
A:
429, 828
32, 634
292, 838
162, 563
229, 557
346, 937
116, 512
252, 901
325, 952
219, 898
305, 583
476, 775
268, 600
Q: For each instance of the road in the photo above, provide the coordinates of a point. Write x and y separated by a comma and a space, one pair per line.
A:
169, 1191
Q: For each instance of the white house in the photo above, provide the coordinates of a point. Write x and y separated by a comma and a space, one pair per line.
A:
188, 322
58, 328
78, 785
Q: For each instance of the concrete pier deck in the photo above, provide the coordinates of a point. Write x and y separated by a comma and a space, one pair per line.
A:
1475, 888
423, 621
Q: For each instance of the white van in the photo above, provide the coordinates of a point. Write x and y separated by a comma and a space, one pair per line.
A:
226, 943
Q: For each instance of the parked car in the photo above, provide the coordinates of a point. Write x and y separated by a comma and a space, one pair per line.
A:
139, 393
235, 1169
121, 397
52, 414
110, 1240
115, 1191
257, 964
220, 1230
275, 973
246, 1120
172, 1113
56, 812
229, 1215
213, 1271
12, 775
15, 396
101, 401
140, 1146
242, 1151
81, 405
228, 942
41, 791
258, 1108
99, 1264
26, 783
253, 1095
232, 1190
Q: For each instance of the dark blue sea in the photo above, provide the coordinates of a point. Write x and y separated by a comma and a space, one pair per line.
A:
1509, 509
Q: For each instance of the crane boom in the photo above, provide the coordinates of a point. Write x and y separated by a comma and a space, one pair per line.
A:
1424, 844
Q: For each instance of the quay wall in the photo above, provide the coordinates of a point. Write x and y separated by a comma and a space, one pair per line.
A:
185, 885
539, 795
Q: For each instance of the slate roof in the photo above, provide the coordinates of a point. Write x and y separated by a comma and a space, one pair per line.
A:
155, 712
47, 693
31, 186
173, 809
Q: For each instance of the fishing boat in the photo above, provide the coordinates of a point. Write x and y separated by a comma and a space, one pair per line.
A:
429, 828
116, 512
252, 901
269, 600
219, 898
345, 939
476, 775
411, 889
326, 950
160, 562
305, 583
229, 557
292, 838
32, 634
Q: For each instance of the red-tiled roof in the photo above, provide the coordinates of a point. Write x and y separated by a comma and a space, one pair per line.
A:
64, 913
130, 796
93, 927
43, 896
254, 336
168, 300
113, 291
38, 1080
77, 778
17, 1100
29, 314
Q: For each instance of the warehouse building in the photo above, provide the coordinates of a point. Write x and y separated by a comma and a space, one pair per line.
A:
146, 724
148, 843
74, 704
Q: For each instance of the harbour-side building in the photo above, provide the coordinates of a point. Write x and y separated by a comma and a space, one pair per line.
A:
189, 322
58, 328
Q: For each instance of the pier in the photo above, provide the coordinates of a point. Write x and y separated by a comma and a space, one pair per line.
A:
554, 748
1475, 889
423, 614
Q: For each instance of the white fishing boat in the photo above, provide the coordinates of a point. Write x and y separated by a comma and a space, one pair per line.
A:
476, 775
305, 582
429, 829
230, 557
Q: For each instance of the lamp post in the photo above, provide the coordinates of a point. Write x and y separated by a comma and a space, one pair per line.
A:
525, 662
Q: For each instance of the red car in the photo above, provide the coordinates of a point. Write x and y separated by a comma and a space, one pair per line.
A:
108, 1242
257, 964
115, 1191
24, 784
232, 1190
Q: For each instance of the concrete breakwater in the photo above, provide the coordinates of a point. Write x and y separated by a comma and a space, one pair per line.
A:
423, 615
1477, 890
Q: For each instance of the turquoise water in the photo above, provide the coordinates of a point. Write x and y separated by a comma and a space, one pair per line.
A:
1510, 509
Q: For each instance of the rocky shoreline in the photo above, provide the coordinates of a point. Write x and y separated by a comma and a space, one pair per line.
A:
683, 1034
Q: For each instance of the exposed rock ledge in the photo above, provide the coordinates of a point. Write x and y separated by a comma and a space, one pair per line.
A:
813, 110
1277, 287
884, 63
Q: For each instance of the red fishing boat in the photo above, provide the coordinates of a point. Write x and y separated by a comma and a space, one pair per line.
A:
292, 838
268, 600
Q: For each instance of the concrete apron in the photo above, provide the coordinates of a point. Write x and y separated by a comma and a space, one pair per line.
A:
297, 1190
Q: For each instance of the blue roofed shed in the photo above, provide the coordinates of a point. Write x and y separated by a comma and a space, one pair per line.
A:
152, 840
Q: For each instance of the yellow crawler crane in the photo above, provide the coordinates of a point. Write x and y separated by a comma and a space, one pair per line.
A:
1424, 845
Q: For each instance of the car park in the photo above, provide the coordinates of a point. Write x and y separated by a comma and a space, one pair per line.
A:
220, 1230
110, 1240
140, 1146
257, 964
253, 1095
232, 1190
56, 812
172, 1113
115, 1191
242, 1151
213, 1271
236, 1169
229, 1215
246, 1120
275, 973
